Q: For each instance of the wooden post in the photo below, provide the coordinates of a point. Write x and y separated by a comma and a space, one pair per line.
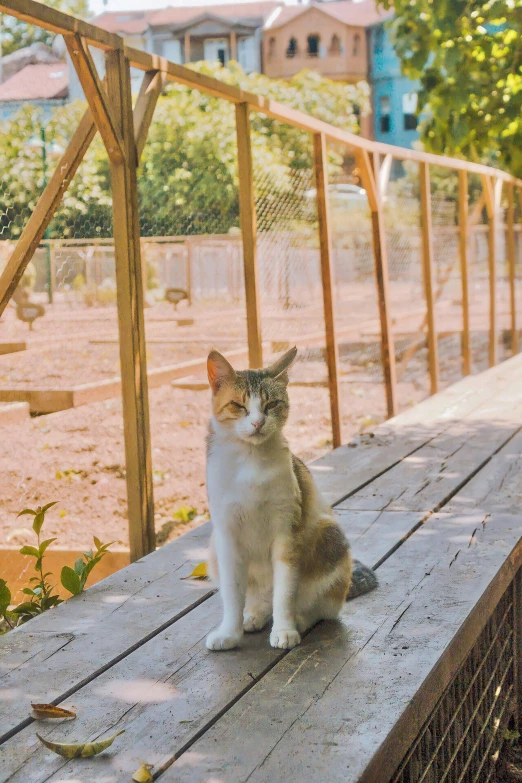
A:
130, 313
233, 45
381, 274
491, 208
427, 268
511, 266
464, 270
187, 47
247, 215
327, 278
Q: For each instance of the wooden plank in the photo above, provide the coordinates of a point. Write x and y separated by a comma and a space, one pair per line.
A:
131, 323
80, 640
381, 274
427, 269
11, 347
511, 259
151, 88
327, 284
425, 480
100, 106
344, 471
247, 215
45, 208
491, 208
464, 269
346, 704
164, 684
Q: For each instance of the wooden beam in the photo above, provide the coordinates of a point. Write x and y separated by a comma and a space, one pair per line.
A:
427, 268
186, 46
464, 270
151, 88
247, 215
327, 278
130, 314
45, 208
384, 174
381, 273
491, 207
233, 45
95, 94
512, 266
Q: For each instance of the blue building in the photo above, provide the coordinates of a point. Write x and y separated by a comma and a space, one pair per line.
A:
394, 96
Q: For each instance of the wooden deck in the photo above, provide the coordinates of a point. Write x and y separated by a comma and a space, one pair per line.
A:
432, 500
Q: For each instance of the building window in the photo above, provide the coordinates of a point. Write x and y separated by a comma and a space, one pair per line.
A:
335, 46
409, 110
356, 45
385, 114
271, 48
292, 50
313, 46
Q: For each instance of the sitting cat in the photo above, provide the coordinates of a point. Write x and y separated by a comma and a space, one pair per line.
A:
276, 550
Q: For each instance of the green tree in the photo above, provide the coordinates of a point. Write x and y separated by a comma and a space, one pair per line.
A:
468, 57
15, 34
188, 173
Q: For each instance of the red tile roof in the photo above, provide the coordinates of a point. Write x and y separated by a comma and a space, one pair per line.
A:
37, 82
355, 14
136, 22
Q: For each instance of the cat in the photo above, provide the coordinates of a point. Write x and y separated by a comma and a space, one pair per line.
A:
276, 550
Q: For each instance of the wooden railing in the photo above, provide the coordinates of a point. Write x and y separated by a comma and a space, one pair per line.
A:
124, 132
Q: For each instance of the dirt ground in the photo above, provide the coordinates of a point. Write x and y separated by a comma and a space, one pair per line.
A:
76, 457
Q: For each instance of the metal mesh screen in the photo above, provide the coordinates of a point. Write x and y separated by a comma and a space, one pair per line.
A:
461, 739
478, 275
290, 280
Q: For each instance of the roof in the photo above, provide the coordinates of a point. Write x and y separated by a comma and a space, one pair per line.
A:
44, 81
136, 22
355, 14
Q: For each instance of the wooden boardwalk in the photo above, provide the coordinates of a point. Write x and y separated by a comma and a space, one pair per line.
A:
432, 500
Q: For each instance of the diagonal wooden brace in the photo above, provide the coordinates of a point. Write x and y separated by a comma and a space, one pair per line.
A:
96, 96
151, 88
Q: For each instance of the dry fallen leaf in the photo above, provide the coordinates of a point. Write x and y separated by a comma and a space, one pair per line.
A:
199, 572
142, 775
44, 711
82, 750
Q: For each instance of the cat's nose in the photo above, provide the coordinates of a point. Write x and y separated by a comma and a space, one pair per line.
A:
258, 425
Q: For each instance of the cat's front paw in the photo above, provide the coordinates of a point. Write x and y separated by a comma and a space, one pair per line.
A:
223, 640
285, 639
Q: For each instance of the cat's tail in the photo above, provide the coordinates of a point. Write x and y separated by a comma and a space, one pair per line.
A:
364, 580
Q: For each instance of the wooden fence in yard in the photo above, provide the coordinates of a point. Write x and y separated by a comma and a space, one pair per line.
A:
124, 130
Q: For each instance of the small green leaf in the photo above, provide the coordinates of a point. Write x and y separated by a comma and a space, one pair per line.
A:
30, 550
43, 546
28, 591
97, 542
48, 506
70, 580
79, 566
5, 596
27, 511
38, 522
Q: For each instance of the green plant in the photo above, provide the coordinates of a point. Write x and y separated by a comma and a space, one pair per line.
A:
40, 592
185, 514
74, 579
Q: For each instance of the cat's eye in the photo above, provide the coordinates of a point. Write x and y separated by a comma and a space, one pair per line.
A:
271, 405
237, 406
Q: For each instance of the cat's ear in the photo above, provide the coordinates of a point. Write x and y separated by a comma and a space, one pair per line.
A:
219, 371
279, 368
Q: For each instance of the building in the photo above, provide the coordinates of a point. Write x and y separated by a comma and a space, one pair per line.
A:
394, 96
43, 84
327, 37
184, 35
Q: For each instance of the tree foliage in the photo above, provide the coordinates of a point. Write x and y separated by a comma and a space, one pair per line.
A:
468, 57
188, 173
15, 34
